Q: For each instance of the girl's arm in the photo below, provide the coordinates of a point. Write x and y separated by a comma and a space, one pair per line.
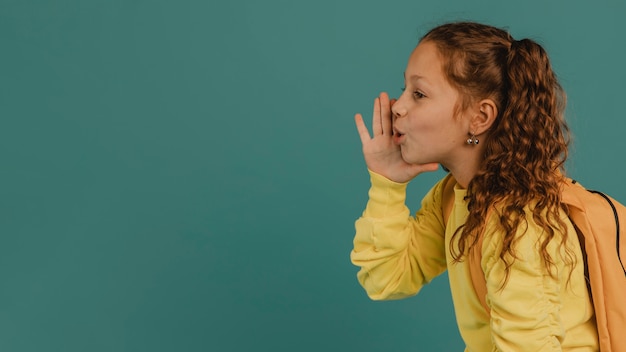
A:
398, 253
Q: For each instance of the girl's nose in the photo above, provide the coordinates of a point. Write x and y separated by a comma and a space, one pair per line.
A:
397, 109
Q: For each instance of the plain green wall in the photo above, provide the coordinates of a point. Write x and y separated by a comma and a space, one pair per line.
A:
185, 175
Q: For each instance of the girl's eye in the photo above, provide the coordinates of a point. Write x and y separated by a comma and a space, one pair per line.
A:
418, 95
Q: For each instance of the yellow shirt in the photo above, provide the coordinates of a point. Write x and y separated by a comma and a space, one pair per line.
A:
398, 254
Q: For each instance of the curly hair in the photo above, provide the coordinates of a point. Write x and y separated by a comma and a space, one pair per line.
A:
526, 148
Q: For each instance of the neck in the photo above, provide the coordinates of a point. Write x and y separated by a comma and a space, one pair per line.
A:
465, 168
462, 178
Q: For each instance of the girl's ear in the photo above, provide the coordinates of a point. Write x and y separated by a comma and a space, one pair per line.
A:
484, 115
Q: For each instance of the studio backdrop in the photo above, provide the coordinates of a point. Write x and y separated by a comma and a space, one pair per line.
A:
185, 175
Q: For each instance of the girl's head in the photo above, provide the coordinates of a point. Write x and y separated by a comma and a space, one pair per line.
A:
524, 146
485, 62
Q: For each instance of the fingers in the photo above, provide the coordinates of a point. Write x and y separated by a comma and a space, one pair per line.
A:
430, 167
381, 119
416, 169
377, 126
393, 116
362, 129
385, 107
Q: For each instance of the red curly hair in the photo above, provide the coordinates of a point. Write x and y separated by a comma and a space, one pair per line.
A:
527, 144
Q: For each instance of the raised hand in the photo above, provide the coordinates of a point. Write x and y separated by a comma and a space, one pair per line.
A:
382, 155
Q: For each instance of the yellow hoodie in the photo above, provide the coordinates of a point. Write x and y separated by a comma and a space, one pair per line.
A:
398, 254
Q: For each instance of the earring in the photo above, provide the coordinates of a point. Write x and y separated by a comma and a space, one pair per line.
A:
472, 140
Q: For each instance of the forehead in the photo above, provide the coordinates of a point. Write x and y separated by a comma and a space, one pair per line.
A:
425, 61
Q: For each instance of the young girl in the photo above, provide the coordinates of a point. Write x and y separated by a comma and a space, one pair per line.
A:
489, 109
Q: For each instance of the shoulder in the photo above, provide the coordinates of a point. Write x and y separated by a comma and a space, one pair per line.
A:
525, 238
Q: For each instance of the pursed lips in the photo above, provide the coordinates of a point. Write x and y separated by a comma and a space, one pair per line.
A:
398, 136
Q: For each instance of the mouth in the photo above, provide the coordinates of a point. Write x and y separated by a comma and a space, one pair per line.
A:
398, 137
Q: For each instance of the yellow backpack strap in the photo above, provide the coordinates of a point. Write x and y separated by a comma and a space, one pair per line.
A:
476, 271
596, 218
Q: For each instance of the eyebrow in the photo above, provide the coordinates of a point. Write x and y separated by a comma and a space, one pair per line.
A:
414, 78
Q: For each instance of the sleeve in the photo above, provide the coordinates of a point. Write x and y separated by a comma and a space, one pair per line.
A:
524, 309
397, 253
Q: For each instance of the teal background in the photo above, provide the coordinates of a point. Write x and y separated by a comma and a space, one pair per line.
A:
185, 175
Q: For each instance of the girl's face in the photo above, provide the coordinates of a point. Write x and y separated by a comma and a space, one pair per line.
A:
424, 121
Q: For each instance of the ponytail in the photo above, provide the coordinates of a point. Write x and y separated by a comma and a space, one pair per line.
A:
531, 129
531, 139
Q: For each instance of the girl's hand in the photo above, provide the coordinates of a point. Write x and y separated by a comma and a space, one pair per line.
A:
382, 156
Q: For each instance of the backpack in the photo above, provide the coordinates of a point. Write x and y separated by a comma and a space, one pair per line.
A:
599, 221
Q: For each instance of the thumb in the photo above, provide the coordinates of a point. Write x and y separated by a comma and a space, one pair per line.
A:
420, 168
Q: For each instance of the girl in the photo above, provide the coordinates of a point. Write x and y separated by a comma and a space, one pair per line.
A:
489, 109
